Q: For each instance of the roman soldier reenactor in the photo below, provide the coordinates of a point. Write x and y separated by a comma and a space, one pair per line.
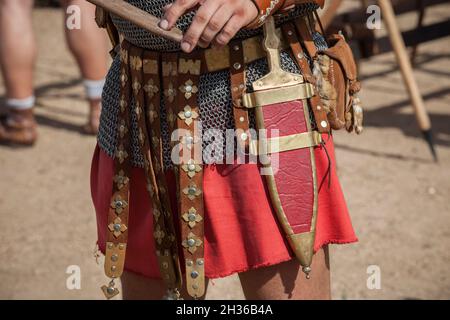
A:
215, 154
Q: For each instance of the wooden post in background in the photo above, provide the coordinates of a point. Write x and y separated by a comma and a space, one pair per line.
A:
407, 72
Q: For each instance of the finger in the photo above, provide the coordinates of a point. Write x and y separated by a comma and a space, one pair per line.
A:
198, 25
229, 31
202, 44
174, 12
216, 24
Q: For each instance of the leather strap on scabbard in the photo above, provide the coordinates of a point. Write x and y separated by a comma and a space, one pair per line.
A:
306, 31
238, 88
190, 173
290, 34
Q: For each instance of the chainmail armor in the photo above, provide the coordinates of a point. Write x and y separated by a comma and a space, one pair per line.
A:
214, 88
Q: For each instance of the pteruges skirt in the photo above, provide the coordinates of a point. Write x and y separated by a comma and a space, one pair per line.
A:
241, 228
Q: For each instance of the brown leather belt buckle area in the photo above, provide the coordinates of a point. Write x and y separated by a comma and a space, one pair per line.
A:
217, 59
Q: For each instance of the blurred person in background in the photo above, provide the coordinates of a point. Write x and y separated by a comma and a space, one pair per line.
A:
18, 57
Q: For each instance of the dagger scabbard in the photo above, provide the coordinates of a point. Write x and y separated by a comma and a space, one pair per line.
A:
287, 141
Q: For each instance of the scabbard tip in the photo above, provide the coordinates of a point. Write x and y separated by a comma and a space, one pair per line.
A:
307, 271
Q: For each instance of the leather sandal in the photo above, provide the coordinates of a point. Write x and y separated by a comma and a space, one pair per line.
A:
18, 127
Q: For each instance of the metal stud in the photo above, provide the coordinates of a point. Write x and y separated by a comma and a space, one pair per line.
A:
237, 66
194, 274
290, 33
244, 136
319, 108
324, 124
191, 242
117, 227
189, 263
200, 262
113, 268
236, 48
110, 245
300, 55
241, 119
188, 114
191, 167
188, 88
192, 190
114, 257
192, 217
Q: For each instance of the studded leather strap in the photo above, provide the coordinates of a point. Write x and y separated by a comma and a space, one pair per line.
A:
190, 173
146, 88
238, 88
140, 82
117, 228
169, 68
290, 34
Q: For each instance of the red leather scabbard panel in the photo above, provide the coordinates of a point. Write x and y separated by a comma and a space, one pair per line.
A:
293, 174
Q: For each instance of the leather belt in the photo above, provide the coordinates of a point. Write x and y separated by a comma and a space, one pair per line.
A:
217, 59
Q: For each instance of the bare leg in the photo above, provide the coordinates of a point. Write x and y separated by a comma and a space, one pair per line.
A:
17, 58
286, 281
17, 47
137, 287
89, 46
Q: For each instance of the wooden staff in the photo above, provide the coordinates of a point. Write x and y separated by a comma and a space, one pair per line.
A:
138, 17
408, 76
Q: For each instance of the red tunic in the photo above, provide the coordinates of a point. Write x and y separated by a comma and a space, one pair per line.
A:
241, 229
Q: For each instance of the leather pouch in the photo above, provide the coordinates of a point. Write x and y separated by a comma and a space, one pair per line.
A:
336, 75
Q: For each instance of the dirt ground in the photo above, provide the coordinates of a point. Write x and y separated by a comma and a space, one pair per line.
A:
398, 197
